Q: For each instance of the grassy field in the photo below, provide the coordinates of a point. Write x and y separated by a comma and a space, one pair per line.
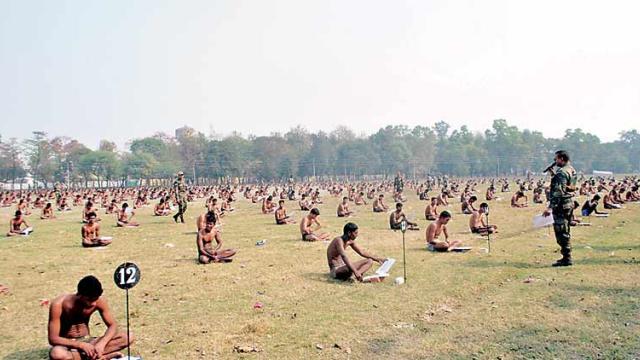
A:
509, 304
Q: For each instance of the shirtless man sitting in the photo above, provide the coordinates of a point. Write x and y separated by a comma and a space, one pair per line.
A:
435, 229
359, 200
206, 253
340, 266
491, 193
304, 203
281, 215
516, 198
124, 217
15, 224
378, 205
397, 217
161, 209
306, 227
47, 212
91, 233
268, 206
477, 224
431, 211
68, 329
343, 208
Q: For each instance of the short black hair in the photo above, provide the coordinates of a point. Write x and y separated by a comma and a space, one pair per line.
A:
349, 228
398, 205
562, 154
90, 287
315, 211
484, 205
473, 198
18, 213
92, 214
445, 214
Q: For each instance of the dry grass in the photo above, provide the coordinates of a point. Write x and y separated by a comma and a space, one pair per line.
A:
471, 305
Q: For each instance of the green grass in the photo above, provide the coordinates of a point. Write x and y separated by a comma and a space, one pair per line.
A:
453, 306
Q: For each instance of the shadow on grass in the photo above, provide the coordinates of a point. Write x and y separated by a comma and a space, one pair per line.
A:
33, 354
326, 279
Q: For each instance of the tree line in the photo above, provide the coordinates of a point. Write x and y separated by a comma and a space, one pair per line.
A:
419, 151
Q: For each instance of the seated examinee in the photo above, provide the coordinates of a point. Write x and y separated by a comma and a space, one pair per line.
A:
268, 206
437, 228
609, 202
304, 203
396, 218
491, 193
431, 211
467, 205
591, 206
343, 208
68, 328
306, 227
124, 217
206, 253
359, 200
202, 219
515, 200
161, 208
340, 266
378, 204
281, 215
88, 208
47, 212
15, 224
477, 224
91, 233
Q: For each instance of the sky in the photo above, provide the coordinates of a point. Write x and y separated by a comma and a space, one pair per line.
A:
121, 69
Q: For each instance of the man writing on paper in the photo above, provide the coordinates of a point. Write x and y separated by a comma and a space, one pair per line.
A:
340, 266
563, 187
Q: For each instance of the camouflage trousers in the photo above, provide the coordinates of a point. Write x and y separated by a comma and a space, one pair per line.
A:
561, 228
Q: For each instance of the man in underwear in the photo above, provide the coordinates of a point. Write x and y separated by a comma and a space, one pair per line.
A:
207, 254
304, 203
340, 267
477, 224
281, 215
431, 211
124, 217
378, 205
47, 212
491, 193
396, 218
591, 206
467, 205
306, 227
91, 233
359, 200
516, 198
68, 327
15, 224
267, 205
343, 208
161, 208
435, 229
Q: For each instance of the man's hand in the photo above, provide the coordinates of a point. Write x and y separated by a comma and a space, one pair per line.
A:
381, 260
88, 349
358, 276
99, 348
546, 213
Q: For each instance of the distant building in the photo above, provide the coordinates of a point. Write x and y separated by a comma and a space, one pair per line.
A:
185, 131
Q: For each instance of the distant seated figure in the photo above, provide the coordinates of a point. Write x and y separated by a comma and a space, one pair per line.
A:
360, 199
68, 328
206, 252
47, 212
161, 208
340, 266
437, 228
268, 206
609, 202
281, 215
343, 208
467, 205
124, 217
397, 217
304, 203
477, 224
591, 206
378, 204
515, 200
306, 227
538, 196
632, 195
431, 211
91, 233
88, 208
16, 224
491, 193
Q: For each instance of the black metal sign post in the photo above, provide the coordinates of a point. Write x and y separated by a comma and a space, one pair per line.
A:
126, 276
403, 228
486, 212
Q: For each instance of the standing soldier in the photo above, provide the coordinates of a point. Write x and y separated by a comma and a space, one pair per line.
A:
398, 183
561, 192
180, 189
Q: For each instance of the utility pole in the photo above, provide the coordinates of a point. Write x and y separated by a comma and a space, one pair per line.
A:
314, 168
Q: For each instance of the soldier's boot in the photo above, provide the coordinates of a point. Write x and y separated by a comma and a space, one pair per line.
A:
175, 217
181, 218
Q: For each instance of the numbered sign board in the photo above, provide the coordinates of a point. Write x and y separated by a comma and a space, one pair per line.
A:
127, 275
403, 226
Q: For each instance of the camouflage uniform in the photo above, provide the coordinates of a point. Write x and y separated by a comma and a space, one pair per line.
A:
180, 188
561, 192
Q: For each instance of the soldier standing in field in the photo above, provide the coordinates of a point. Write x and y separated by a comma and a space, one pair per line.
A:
180, 189
561, 192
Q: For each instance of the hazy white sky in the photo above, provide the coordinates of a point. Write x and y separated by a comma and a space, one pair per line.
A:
125, 69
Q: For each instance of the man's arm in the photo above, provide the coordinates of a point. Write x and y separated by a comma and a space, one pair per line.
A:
365, 254
218, 241
201, 248
110, 322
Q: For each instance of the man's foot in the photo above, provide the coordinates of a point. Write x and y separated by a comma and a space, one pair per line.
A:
562, 262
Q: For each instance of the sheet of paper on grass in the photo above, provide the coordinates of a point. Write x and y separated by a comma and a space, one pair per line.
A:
542, 221
383, 270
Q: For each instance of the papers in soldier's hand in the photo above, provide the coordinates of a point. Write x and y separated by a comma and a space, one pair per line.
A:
542, 221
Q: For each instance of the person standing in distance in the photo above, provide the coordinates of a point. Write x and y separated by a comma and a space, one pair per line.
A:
180, 189
562, 190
